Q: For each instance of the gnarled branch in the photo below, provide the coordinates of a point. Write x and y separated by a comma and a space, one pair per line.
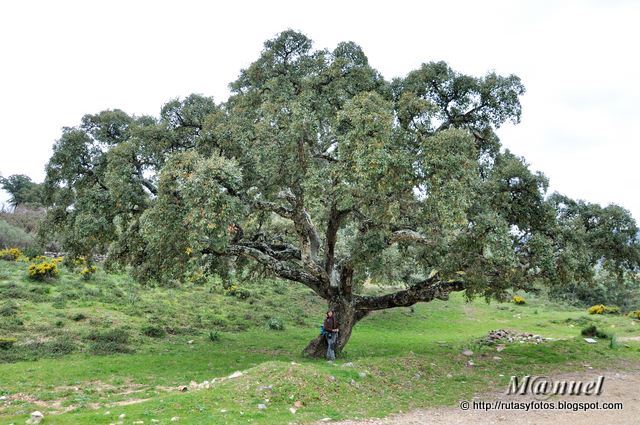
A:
427, 290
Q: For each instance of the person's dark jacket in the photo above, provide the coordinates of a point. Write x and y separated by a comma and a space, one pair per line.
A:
330, 324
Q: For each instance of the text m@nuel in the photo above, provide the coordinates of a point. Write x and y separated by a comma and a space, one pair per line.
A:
540, 385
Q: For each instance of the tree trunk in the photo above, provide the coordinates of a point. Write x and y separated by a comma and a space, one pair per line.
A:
347, 317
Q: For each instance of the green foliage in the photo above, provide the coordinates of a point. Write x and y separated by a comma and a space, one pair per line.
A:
318, 139
11, 235
23, 191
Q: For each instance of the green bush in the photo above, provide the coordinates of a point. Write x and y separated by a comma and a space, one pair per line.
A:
214, 336
235, 291
591, 331
11, 235
108, 342
77, 317
153, 331
275, 324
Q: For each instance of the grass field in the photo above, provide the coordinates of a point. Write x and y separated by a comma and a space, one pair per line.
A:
87, 352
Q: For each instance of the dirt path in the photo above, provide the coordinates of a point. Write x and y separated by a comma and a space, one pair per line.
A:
618, 386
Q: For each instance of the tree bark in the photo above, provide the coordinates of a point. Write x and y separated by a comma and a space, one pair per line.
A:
347, 316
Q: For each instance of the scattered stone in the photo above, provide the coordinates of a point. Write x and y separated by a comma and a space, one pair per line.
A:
190, 341
497, 358
36, 418
332, 378
265, 387
175, 419
107, 412
235, 374
349, 364
500, 347
293, 410
138, 422
590, 340
467, 353
3, 398
470, 363
504, 335
155, 421
325, 419
183, 388
362, 374
223, 410
417, 376
294, 364
297, 404
353, 382
449, 375
262, 406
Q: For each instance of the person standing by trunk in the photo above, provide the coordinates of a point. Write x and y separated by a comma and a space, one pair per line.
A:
331, 332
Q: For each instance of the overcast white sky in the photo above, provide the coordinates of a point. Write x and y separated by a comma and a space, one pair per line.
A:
578, 60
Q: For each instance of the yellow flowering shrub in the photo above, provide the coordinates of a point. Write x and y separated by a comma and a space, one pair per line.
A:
519, 300
11, 254
43, 270
87, 272
596, 309
635, 314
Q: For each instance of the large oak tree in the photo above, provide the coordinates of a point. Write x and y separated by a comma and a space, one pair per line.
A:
324, 173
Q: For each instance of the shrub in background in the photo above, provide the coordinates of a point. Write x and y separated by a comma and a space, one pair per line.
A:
11, 235
153, 331
235, 291
596, 309
635, 314
519, 300
592, 331
10, 254
87, 272
43, 270
108, 342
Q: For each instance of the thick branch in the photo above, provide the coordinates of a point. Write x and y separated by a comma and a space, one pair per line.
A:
425, 291
280, 268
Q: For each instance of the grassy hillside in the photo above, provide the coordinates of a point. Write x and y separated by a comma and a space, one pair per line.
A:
109, 347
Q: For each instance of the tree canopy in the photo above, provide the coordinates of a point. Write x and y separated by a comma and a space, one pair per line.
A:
22, 190
322, 172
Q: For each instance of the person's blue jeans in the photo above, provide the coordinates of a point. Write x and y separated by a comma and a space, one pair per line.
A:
331, 340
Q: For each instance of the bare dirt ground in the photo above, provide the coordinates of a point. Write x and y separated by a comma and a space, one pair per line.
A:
619, 386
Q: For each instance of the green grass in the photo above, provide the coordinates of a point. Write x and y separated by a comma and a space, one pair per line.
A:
410, 359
